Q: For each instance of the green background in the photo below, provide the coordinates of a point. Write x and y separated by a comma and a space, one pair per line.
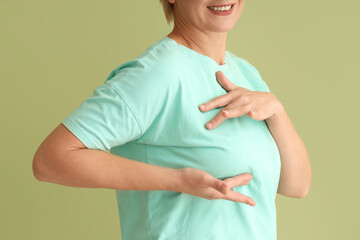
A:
53, 54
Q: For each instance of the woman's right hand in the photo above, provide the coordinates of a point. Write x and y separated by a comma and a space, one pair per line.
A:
201, 184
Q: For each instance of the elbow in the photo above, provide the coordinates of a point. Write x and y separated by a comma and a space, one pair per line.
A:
304, 191
295, 191
296, 188
293, 194
303, 194
37, 167
306, 187
37, 173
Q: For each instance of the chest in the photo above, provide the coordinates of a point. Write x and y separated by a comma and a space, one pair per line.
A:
237, 145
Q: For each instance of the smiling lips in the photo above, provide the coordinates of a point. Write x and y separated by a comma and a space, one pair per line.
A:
224, 5
221, 10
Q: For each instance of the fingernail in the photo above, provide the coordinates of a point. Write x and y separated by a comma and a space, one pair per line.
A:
209, 125
202, 106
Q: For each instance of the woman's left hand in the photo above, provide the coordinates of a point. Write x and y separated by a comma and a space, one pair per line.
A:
241, 101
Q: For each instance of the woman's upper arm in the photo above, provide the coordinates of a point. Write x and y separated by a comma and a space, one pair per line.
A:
56, 144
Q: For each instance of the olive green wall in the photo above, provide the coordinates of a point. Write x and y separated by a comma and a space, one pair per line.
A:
53, 54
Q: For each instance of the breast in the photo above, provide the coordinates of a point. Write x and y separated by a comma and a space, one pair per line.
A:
238, 145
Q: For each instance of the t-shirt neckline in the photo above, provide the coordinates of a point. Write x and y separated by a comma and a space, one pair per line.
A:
193, 53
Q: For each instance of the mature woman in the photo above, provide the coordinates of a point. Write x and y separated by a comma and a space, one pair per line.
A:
196, 140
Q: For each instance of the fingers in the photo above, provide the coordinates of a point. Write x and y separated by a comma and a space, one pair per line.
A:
237, 180
216, 102
212, 194
232, 110
216, 121
219, 185
220, 189
224, 82
238, 197
224, 186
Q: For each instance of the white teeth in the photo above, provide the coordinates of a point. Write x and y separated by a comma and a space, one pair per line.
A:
220, 8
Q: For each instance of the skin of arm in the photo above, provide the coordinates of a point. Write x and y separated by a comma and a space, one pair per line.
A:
295, 176
63, 159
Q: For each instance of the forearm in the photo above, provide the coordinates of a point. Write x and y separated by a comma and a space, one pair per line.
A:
295, 174
90, 168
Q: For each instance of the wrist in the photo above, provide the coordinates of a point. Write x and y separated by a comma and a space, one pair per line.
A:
279, 113
174, 180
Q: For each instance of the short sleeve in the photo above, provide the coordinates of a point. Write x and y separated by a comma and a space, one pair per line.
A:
104, 120
262, 86
148, 86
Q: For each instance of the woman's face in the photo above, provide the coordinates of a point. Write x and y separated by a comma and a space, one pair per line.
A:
196, 14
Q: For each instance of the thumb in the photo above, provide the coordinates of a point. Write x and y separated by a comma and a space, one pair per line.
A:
224, 82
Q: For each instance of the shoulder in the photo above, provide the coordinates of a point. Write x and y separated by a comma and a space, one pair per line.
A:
250, 70
156, 67
243, 63
146, 82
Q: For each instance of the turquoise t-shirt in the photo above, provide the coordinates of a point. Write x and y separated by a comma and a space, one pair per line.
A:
147, 110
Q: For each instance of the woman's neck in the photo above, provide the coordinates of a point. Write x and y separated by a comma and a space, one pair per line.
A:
212, 45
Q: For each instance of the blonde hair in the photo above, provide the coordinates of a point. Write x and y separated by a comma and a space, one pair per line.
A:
168, 10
